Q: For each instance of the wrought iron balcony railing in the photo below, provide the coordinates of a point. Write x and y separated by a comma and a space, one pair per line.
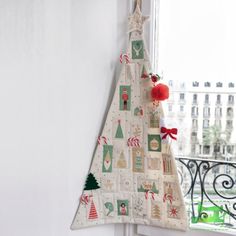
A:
209, 187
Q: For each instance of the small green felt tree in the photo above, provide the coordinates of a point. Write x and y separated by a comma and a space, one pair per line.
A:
91, 182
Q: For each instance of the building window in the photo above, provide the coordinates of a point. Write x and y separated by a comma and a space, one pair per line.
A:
195, 84
193, 149
170, 107
218, 99
170, 83
218, 112
230, 149
182, 85
229, 124
231, 85
181, 96
206, 149
194, 111
180, 147
194, 98
218, 123
206, 98
230, 112
207, 84
231, 99
181, 108
219, 85
206, 124
194, 137
195, 123
206, 111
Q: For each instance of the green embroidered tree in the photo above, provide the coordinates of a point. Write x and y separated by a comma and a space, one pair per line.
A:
141, 189
91, 183
154, 188
144, 73
119, 132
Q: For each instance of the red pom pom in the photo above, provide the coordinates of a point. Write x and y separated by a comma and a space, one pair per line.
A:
160, 92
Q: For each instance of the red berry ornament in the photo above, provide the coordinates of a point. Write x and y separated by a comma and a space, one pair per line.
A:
160, 92
154, 78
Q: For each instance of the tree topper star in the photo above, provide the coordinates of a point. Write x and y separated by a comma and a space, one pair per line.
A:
136, 20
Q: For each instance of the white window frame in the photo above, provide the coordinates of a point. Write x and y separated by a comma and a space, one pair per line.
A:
152, 35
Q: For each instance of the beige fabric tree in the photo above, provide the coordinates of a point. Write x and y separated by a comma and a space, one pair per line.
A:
133, 176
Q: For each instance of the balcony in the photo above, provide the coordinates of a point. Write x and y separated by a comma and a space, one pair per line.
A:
194, 127
182, 101
194, 115
218, 115
229, 116
230, 103
170, 114
181, 114
206, 115
210, 192
194, 139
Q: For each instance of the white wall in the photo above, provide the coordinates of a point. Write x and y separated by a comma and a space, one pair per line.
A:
58, 60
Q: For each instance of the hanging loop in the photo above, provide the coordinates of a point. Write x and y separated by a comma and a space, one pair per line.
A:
138, 3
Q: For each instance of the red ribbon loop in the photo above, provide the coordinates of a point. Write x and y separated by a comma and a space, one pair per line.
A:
169, 132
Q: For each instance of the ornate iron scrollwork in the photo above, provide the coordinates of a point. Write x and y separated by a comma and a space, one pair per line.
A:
202, 179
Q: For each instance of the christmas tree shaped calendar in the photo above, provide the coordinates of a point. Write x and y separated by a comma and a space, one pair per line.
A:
133, 176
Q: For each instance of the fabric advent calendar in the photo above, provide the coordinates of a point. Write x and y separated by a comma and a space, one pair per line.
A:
133, 176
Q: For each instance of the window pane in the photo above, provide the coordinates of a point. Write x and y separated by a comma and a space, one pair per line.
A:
197, 47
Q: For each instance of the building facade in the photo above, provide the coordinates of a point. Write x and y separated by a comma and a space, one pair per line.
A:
204, 115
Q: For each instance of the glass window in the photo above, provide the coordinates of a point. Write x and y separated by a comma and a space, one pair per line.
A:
192, 58
181, 96
206, 123
206, 149
206, 111
231, 99
207, 98
218, 112
170, 83
195, 84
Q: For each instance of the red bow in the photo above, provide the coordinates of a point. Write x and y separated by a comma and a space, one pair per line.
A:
169, 132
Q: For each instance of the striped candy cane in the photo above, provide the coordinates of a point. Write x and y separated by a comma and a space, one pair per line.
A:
152, 194
133, 142
102, 138
124, 57
168, 197
84, 199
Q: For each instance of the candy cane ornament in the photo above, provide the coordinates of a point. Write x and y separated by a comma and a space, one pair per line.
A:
102, 138
152, 194
124, 57
84, 199
133, 142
